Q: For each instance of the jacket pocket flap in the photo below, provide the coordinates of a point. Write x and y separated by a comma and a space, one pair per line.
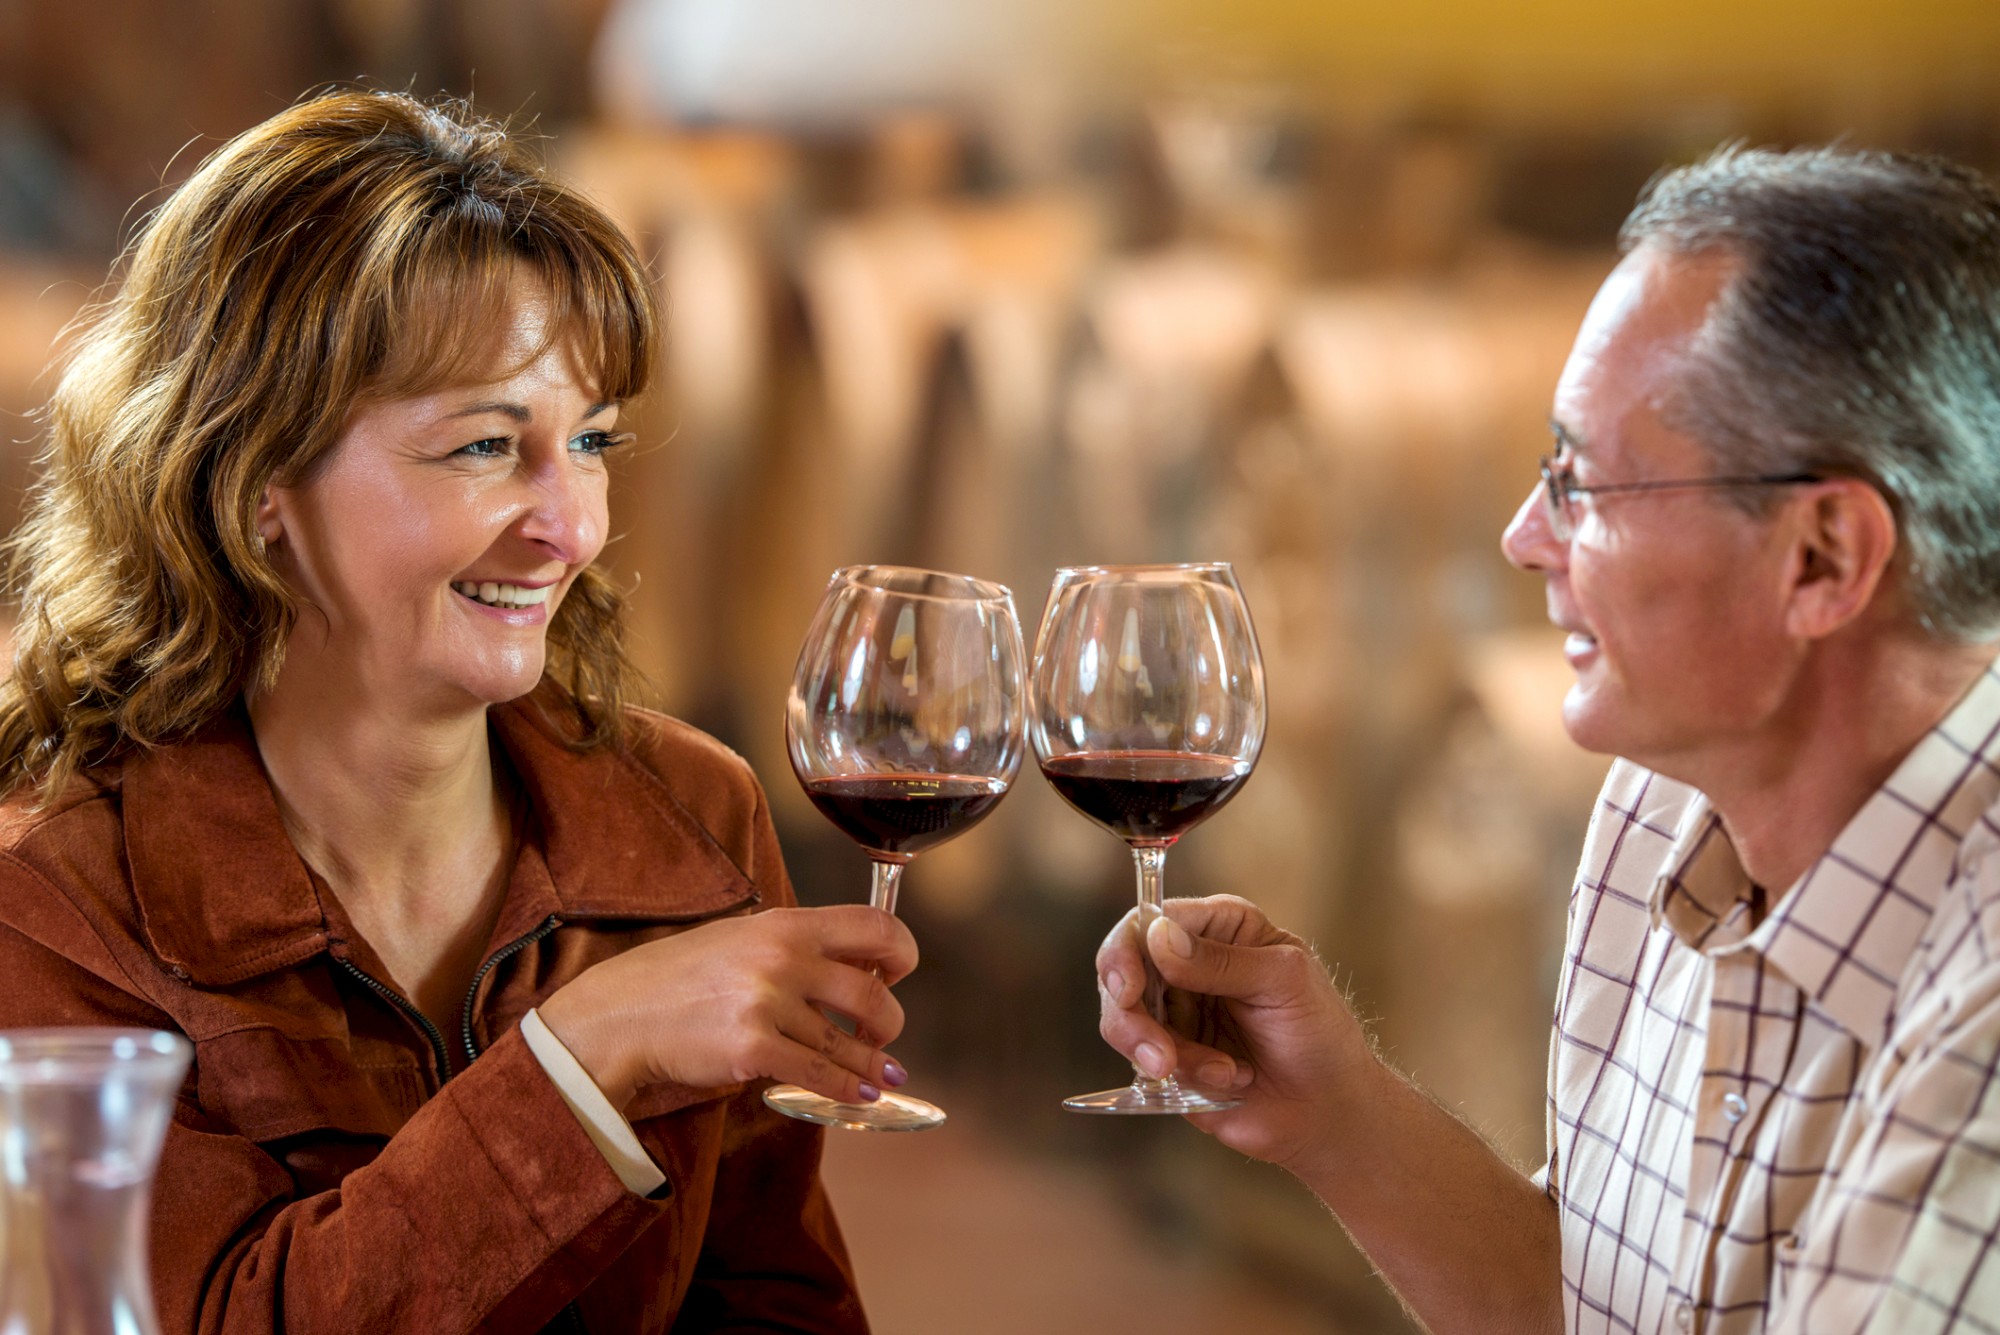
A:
267, 1086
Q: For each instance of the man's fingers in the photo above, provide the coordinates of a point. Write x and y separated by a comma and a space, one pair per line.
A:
1197, 963
1160, 1052
1121, 970
1212, 1068
1141, 1039
1226, 918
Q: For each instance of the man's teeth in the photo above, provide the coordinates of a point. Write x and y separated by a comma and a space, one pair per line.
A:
503, 595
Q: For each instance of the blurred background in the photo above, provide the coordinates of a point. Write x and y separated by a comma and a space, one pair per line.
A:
1000, 285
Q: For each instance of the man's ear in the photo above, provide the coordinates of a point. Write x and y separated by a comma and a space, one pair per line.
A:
1844, 537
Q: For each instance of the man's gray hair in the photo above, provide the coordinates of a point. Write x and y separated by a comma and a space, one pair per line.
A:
1861, 339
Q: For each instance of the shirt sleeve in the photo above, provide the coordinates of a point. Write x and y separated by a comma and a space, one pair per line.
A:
607, 1130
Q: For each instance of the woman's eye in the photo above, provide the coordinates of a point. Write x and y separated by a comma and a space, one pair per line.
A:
597, 442
491, 447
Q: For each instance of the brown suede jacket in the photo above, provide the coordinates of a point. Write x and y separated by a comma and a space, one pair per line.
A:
338, 1164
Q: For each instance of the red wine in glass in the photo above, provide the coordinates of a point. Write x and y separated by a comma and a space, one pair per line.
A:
900, 815
1146, 797
1147, 717
905, 726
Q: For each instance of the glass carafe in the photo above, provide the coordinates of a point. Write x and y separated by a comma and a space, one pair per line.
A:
83, 1113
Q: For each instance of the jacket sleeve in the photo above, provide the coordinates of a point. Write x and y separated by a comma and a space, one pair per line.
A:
772, 1258
395, 1248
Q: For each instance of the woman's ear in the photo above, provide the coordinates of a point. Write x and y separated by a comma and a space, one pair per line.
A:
1844, 541
270, 523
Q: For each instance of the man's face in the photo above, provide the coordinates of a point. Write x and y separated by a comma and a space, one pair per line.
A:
1674, 600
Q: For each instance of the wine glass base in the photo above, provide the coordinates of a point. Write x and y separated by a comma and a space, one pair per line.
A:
891, 1112
1133, 1101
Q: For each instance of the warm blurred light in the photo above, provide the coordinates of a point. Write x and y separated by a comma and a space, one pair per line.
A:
1551, 56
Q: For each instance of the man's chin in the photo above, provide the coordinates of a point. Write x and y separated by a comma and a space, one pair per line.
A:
1584, 719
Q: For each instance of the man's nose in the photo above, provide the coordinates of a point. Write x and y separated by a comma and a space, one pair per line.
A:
1529, 542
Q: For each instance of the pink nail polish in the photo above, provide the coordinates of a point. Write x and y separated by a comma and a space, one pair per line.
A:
893, 1075
869, 1093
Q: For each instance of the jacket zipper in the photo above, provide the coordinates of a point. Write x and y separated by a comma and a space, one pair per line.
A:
569, 1318
506, 952
395, 999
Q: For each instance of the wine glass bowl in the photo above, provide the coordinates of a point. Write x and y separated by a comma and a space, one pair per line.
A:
904, 725
1148, 715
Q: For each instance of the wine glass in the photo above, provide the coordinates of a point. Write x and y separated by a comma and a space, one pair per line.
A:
1148, 715
904, 725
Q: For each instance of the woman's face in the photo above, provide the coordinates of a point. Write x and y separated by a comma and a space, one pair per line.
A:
431, 549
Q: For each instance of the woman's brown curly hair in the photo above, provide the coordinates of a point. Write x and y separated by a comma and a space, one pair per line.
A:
358, 246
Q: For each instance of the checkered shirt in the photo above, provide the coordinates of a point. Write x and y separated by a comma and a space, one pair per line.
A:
1784, 1116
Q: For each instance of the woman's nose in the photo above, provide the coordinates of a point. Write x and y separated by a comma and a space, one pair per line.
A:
566, 512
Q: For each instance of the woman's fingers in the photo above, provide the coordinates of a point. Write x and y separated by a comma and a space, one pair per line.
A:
860, 933
818, 1055
860, 996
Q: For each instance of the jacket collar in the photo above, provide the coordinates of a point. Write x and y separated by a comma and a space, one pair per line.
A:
223, 896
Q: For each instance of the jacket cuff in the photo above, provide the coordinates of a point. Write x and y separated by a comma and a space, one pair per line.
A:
539, 1153
607, 1129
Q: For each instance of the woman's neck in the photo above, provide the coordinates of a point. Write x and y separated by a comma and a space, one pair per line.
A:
384, 802
406, 817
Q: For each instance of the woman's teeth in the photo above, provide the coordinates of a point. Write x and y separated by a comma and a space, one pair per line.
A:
503, 595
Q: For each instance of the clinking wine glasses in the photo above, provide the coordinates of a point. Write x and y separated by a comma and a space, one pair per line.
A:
1148, 715
905, 727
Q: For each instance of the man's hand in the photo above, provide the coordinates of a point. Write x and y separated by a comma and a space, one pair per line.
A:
1257, 1014
741, 998
1469, 1243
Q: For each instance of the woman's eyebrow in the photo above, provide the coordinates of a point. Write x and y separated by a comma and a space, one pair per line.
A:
518, 412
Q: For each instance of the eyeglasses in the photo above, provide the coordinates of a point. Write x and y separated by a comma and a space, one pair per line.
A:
1560, 490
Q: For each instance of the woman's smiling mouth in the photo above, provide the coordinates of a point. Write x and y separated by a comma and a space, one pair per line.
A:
493, 594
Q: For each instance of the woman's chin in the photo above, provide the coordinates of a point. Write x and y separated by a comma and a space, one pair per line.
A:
510, 679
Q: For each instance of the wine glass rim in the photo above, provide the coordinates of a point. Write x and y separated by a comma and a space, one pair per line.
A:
1151, 568
81, 1054
976, 590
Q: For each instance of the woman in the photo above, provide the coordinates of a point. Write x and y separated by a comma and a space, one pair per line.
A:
316, 753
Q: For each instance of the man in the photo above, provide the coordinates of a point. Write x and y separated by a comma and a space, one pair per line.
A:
1771, 529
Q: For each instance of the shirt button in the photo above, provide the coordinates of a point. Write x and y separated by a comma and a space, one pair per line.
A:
1733, 1107
1684, 1316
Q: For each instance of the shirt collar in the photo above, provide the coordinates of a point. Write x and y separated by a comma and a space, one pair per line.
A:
223, 896
1845, 931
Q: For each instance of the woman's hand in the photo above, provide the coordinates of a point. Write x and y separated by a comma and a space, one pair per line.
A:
739, 999
1257, 1016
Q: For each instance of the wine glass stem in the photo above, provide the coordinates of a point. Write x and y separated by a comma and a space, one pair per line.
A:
882, 891
1152, 867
